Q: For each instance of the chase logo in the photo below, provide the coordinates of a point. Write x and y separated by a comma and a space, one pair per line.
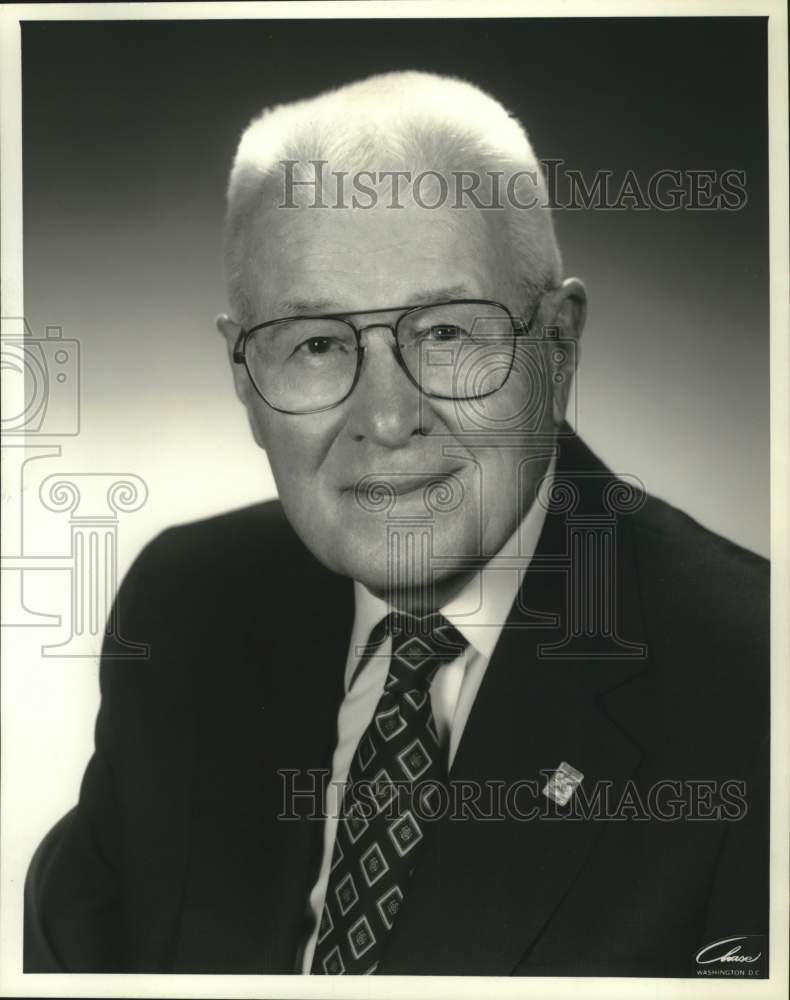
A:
742, 956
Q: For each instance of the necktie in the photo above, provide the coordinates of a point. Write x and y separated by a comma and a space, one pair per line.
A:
388, 800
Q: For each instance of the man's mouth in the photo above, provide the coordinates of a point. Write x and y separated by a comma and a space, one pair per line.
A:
381, 484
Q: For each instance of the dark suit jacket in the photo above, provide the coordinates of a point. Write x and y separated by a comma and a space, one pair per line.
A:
174, 859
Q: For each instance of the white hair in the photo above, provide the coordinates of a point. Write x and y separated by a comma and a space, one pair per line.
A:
413, 119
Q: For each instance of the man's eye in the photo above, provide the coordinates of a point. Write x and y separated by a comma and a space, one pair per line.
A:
317, 346
446, 331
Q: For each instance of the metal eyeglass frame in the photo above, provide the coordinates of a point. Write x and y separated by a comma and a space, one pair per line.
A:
240, 347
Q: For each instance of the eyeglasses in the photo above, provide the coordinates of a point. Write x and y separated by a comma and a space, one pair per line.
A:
455, 350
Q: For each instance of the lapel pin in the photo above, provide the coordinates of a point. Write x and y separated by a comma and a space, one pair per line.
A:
562, 784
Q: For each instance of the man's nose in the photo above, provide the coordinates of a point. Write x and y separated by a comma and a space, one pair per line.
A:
386, 407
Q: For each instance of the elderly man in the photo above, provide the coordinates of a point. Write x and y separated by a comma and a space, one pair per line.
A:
461, 701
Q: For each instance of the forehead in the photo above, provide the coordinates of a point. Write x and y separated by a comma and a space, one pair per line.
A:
351, 259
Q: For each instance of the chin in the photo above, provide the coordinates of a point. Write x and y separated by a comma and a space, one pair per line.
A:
387, 557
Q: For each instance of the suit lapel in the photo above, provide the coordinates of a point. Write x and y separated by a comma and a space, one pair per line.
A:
299, 743
484, 889
270, 708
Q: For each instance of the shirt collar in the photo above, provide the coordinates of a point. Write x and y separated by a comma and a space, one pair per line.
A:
480, 609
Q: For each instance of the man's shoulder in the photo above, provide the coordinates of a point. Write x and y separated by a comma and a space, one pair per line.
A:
215, 576
705, 605
252, 549
256, 531
703, 600
680, 559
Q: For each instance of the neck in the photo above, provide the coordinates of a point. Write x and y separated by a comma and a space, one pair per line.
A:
423, 598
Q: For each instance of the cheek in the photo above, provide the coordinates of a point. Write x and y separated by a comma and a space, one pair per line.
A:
295, 445
510, 415
523, 407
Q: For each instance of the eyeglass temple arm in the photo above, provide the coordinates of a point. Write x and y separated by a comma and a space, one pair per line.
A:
238, 348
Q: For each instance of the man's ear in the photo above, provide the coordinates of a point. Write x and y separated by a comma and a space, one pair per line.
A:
564, 323
230, 330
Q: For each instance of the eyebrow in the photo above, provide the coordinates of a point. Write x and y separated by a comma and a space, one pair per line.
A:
299, 307
303, 307
427, 296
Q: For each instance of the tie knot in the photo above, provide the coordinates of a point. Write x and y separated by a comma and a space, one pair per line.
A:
419, 647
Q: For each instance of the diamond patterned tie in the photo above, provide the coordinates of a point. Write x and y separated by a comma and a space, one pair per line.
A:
390, 793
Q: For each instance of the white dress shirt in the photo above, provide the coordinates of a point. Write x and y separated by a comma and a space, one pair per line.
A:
479, 612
